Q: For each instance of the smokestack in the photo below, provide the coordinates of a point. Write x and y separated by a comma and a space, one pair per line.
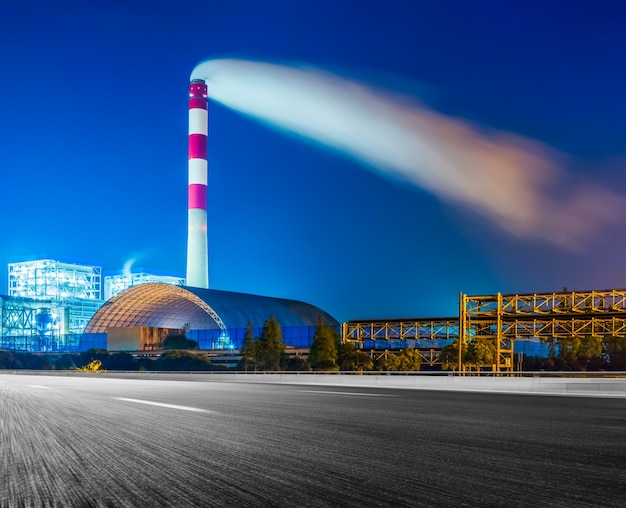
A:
197, 244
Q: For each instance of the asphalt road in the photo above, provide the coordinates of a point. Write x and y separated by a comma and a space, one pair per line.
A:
89, 441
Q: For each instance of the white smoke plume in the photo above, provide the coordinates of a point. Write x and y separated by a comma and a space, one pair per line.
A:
517, 183
128, 265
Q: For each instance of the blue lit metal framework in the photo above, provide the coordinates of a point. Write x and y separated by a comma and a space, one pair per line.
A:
52, 279
19, 316
117, 282
75, 287
30, 324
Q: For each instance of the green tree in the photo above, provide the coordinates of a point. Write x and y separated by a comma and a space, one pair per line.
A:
409, 359
387, 362
248, 350
323, 354
270, 346
357, 360
591, 351
615, 349
476, 353
577, 352
480, 353
179, 342
121, 361
182, 360
449, 356
296, 363
344, 350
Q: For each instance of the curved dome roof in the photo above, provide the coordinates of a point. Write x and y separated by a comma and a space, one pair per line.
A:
166, 306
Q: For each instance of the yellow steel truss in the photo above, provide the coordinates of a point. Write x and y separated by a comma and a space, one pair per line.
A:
503, 318
429, 357
417, 329
420, 330
548, 316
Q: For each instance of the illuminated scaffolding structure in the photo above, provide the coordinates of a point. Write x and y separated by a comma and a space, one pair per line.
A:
51, 279
549, 317
28, 324
502, 320
118, 282
428, 336
74, 288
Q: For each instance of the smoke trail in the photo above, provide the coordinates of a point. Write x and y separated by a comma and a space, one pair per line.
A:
515, 182
127, 270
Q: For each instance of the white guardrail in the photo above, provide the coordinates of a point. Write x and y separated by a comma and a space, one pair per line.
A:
601, 384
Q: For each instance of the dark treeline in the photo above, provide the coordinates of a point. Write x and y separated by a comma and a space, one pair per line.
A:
268, 352
590, 353
170, 360
346, 358
327, 353
264, 353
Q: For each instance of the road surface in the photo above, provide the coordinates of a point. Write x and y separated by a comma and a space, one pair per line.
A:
95, 441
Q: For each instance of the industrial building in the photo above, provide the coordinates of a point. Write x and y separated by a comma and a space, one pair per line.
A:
29, 324
58, 306
148, 307
215, 319
50, 302
513, 323
77, 286
115, 283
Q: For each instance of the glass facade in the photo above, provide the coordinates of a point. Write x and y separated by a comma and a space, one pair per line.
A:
232, 338
64, 343
216, 340
369, 344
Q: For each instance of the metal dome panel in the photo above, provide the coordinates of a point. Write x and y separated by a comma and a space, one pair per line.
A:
167, 306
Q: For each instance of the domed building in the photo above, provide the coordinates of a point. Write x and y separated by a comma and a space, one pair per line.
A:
143, 315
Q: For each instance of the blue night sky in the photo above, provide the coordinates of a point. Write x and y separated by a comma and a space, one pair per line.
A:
93, 150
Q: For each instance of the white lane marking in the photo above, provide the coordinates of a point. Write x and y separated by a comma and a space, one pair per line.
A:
40, 386
171, 406
348, 393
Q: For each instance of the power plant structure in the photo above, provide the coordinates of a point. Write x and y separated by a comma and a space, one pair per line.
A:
54, 306
197, 237
216, 319
512, 323
75, 287
115, 283
50, 302
145, 306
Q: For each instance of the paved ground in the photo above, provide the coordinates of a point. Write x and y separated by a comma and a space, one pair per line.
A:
89, 441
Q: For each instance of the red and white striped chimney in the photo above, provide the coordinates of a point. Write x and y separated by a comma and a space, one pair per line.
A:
197, 243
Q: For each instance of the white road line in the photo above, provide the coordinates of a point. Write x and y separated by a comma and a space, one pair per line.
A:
171, 406
348, 393
40, 386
